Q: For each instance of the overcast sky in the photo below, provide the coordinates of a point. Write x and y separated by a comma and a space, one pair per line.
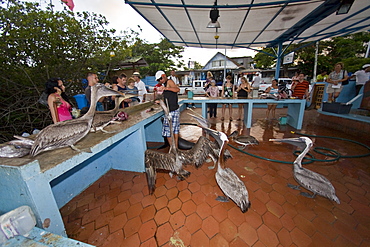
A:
122, 17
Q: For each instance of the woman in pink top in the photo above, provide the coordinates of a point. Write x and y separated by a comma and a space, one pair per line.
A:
60, 109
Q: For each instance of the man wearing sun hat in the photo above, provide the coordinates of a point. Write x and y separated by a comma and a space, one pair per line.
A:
362, 76
140, 86
170, 90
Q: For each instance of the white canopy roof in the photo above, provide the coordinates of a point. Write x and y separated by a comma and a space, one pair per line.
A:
253, 23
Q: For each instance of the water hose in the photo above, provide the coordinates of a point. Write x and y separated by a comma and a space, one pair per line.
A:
326, 151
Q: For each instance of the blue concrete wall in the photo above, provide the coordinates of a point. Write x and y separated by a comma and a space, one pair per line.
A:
348, 92
76, 180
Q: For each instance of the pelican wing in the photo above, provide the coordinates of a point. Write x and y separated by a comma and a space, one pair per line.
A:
246, 140
159, 160
233, 188
198, 154
315, 183
61, 134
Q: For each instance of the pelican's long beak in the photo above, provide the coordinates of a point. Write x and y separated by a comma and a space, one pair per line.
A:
299, 141
103, 91
287, 140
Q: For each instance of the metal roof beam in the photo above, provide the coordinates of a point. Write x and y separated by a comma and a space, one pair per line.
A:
320, 13
228, 6
338, 22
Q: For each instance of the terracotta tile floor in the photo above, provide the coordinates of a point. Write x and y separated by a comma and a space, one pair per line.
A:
117, 210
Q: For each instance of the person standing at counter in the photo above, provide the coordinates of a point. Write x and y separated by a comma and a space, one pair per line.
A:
300, 87
228, 91
140, 85
243, 90
212, 92
170, 90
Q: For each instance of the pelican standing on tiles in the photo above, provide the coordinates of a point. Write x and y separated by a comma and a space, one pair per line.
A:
312, 181
170, 161
243, 140
67, 133
226, 178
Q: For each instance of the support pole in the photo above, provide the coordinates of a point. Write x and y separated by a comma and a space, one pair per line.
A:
315, 65
278, 60
224, 69
367, 51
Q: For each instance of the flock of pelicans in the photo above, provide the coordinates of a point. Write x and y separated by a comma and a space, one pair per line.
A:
67, 133
227, 180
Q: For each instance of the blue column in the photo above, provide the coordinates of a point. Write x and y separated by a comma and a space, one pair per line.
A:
278, 60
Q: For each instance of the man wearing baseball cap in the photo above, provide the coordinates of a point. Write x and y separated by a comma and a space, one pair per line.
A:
362, 76
170, 90
140, 86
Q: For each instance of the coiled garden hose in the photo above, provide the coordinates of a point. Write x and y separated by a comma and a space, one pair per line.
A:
330, 152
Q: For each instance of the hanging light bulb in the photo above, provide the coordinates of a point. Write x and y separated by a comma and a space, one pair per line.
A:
214, 14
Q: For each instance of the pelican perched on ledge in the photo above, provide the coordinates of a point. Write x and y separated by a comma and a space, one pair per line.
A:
226, 178
312, 181
67, 133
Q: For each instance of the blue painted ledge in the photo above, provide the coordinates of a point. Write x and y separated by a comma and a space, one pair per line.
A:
51, 179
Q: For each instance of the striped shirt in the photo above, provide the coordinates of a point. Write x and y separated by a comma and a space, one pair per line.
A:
300, 89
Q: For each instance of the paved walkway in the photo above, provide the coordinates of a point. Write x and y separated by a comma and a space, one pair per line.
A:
117, 210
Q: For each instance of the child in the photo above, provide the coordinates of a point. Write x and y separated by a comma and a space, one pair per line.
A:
212, 92
132, 90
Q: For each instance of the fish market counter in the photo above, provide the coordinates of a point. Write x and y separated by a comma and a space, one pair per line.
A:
51, 179
295, 108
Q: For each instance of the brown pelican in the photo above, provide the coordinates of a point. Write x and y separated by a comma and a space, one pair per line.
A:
312, 181
67, 133
243, 140
214, 150
174, 160
170, 161
226, 178
103, 118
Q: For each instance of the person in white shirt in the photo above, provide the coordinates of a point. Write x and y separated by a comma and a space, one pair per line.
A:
140, 86
174, 77
256, 81
362, 76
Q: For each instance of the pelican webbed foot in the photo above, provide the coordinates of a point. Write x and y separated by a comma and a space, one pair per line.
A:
222, 199
183, 175
211, 167
108, 132
308, 195
294, 187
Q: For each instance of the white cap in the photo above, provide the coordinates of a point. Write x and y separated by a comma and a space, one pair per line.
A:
366, 65
159, 74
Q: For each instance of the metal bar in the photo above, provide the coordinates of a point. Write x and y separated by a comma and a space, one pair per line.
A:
192, 24
242, 24
228, 6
